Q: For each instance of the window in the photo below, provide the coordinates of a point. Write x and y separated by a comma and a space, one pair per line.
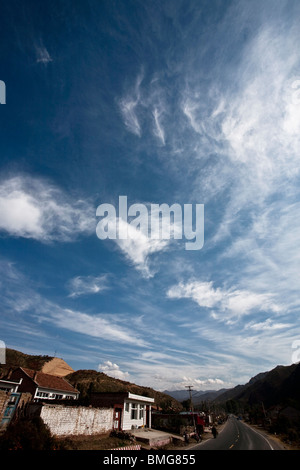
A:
127, 407
12, 399
42, 394
142, 407
134, 411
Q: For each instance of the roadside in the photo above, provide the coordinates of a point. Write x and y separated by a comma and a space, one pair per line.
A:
276, 440
207, 435
108, 441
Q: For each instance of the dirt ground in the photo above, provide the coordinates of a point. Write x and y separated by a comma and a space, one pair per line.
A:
95, 442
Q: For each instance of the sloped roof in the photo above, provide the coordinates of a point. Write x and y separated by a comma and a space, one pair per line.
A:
49, 381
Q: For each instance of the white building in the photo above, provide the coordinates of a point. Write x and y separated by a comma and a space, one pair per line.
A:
130, 411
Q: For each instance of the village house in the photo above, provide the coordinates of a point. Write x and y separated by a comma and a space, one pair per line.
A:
9, 385
40, 385
129, 410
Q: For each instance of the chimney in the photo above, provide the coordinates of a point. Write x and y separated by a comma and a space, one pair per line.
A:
34, 375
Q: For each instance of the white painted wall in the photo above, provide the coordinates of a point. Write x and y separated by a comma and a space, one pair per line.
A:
69, 420
128, 420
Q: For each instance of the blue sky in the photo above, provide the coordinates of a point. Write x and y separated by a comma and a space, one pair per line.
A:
188, 102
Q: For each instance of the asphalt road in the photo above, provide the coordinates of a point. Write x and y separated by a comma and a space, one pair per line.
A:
237, 435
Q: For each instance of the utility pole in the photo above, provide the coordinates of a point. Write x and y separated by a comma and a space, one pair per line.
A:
192, 407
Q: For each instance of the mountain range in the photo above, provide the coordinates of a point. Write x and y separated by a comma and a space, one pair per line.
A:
279, 386
198, 396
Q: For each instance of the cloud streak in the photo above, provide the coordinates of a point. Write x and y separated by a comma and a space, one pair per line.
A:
85, 285
231, 302
33, 208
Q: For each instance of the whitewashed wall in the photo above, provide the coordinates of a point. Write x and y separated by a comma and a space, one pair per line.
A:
128, 421
68, 420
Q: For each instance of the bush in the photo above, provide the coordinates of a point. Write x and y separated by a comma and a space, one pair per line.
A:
27, 434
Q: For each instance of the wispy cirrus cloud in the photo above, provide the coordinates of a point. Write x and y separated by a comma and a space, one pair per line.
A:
230, 303
138, 248
33, 208
129, 107
85, 285
20, 298
138, 105
42, 55
267, 325
158, 129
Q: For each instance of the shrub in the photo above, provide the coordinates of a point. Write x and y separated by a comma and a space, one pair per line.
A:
27, 434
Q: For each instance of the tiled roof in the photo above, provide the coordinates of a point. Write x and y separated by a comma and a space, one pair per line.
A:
49, 381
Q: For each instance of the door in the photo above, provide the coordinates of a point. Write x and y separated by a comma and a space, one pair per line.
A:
117, 419
10, 408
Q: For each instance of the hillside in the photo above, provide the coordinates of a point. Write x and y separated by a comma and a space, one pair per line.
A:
18, 359
57, 366
85, 381
280, 386
47, 364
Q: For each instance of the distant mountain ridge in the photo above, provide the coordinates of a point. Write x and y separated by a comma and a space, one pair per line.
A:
279, 386
197, 395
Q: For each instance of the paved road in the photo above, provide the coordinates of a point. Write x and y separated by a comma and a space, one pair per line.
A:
237, 435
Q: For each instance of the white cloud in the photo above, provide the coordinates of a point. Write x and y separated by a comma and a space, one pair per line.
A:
129, 108
96, 326
158, 129
135, 104
231, 302
267, 325
137, 247
32, 208
42, 55
84, 285
18, 296
198, 383
113, 370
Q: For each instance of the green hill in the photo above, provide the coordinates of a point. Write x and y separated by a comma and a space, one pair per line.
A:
87, 381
